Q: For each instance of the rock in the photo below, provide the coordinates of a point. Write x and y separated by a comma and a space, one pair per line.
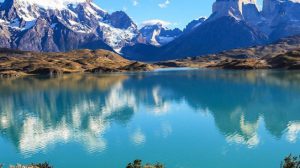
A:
47, 71
137, 66
11, 74
103, 70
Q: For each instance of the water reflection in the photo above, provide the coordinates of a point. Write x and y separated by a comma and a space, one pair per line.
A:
36, 113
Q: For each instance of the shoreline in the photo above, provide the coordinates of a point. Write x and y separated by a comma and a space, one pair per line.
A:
18, 74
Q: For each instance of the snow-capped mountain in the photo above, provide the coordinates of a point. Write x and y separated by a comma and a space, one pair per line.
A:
62, 25
157, 34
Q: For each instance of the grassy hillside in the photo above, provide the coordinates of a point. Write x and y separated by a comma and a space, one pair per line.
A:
18, 63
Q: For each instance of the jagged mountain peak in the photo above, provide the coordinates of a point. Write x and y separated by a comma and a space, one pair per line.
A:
53, 4
29, 10
233, 8
121, 20
79, 20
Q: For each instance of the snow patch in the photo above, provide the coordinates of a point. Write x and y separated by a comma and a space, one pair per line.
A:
295, 1
115, 37
29, 25
52, 4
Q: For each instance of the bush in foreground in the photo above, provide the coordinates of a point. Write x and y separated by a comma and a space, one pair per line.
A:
291, 162
138, 164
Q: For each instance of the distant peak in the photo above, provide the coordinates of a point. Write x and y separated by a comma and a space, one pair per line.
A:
156, 22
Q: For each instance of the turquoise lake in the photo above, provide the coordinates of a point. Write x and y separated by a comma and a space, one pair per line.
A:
184, 119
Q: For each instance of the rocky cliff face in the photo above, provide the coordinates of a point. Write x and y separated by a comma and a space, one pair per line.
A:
278, 18
233, 8
282, 18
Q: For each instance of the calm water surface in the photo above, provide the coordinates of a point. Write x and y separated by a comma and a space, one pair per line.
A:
185, 119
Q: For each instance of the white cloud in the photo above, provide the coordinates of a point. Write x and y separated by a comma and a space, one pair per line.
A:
164, 4
135, 2
154, 22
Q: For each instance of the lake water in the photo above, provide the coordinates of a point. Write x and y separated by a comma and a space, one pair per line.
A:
184, 119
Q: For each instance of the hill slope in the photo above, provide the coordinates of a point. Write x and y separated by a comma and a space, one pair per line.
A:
284, 54
17, 63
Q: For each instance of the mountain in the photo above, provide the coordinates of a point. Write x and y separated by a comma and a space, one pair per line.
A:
62, 26
233, 24
158, 35
211, 37
203, 40
282, 18
66, 25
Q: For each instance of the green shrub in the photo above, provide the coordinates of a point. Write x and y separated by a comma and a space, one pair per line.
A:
291, 162
138, 164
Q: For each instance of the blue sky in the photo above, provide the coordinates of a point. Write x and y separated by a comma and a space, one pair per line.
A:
177, 12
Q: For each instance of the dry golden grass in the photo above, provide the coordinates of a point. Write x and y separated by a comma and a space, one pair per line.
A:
17, 63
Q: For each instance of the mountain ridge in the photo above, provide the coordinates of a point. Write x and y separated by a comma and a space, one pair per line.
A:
81, 24
85, 21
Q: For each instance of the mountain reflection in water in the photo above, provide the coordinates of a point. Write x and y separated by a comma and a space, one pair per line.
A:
37, 112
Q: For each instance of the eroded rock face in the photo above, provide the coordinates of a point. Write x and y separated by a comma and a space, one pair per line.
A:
282, 17
233, 8
278, 18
